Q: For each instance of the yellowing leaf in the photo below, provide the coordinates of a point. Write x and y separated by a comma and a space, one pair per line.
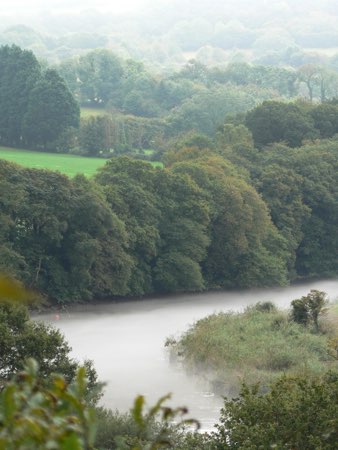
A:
14, 291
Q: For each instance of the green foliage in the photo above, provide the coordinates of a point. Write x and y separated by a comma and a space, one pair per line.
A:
299, 312
205, 111
144, 420
158, 243
279, 122
183, 233
22, 338
258, 345
99, 72
165, 217
12, 291
308, 308
37, 107
279, 79
128, 188
53, 415
291, 123
46, 119
155, 427
19, 72
317, 167
94, 134
71, 244
118, 134
282, 190
245, 249
299, 187
325, 119
296, 412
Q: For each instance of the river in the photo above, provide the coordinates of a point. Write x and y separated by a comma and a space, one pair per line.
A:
126, 342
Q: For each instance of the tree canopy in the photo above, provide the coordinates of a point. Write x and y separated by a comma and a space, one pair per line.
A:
37, 105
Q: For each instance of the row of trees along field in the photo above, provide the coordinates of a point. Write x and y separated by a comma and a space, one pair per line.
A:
146, 110
141, 110
267, 217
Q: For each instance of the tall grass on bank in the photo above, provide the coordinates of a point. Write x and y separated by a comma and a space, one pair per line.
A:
258, 345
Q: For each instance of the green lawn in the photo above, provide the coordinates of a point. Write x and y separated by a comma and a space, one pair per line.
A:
148, 151
157, 164
92, 112
334, 309
67, 164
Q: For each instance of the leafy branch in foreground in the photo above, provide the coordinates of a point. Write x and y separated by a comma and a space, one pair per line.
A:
35, 415
168, 425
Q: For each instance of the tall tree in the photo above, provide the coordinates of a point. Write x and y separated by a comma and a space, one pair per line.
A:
98, 74
51, 110
19, 72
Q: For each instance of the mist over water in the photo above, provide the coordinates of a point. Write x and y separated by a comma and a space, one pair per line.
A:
126, 342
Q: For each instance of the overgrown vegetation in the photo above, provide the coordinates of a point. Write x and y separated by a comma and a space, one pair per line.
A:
258, 345
36, 415
296, 412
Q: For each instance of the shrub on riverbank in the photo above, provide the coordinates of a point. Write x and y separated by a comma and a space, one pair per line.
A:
296, 412
259, 344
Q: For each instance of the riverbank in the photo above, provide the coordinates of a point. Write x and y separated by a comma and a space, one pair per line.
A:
45, 308
126, 340
258, 345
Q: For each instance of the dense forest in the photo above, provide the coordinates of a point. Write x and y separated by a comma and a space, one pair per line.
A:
254, 203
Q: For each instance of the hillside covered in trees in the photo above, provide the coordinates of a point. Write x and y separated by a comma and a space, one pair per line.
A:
252, 203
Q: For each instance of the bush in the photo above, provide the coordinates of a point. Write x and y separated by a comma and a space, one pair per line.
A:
296, 413
36, 415
307, 309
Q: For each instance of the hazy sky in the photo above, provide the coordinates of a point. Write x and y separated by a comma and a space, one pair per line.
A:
117, 6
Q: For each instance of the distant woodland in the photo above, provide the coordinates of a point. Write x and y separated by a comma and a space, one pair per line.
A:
168, 34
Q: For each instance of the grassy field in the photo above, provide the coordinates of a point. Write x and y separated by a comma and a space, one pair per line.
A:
67, 164
156, 164
92, 112
334, 308
148, 151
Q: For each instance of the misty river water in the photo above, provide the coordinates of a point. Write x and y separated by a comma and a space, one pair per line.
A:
126, 342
